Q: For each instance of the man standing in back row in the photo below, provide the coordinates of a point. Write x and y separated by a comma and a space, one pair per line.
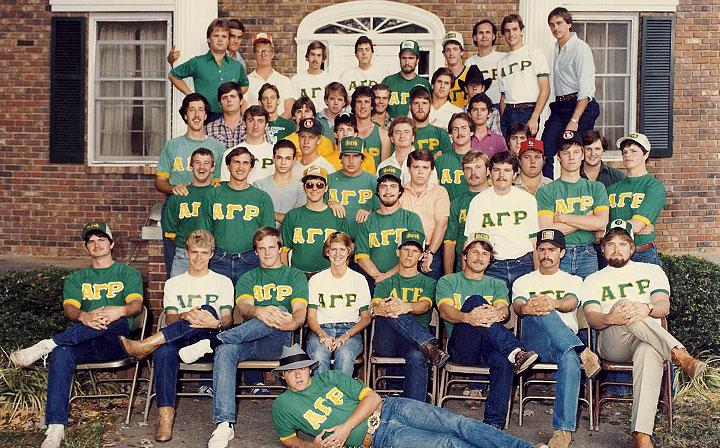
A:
402, 82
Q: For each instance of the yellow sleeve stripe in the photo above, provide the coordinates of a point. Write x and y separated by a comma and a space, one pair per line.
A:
364, 392
299, 299
170, 235
73, 302
288, 437
285, 249
244, 297
132, 297
446, 300
545, 212
453, 242
425, 299
501, 300
601, 208
642, 219
163, 174
376, 300
361, 256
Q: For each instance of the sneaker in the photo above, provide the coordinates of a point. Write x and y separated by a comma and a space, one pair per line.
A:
27, 356
590, 363
260, 390
523, 360
223, 434
208, 390
473, 393
193, 352
53, 436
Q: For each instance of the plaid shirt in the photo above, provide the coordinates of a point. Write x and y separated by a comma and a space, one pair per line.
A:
224, 134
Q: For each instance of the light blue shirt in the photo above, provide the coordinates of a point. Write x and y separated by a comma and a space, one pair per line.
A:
574, 69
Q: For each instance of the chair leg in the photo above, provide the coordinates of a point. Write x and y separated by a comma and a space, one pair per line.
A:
93, 382
443, 384
132, 392
591, 408
509, 408
596, 404
521, 404
149, 393
668, 395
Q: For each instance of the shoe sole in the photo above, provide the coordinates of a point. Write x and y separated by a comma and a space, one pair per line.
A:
699, 370
443, 360
528, 362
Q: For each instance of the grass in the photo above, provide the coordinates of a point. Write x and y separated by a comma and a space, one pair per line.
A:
696, 425
85, 435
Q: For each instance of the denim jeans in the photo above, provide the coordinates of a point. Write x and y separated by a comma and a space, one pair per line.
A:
579, 260
436, 267
553, 341
647, 256
180, 263
250, 340
560, 114
77, 345
408, 423
512, 115
490, 347
168, 244
233, 265
402, 337
512, 269
344, 355
166, 359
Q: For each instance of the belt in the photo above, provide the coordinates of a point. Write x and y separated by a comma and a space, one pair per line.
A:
373, 424
520, 105
226, 254
644, 247
568, 97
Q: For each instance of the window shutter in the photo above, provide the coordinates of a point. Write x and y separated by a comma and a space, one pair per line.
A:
67, 90
656, 83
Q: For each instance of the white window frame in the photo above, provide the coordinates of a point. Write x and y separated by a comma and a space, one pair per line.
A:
94, 18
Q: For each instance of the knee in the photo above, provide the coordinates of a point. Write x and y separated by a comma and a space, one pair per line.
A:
227, 354
165, 352
62, 356
414, 357
570, 361
647, 355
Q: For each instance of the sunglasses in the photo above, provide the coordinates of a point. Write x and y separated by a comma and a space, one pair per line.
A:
316, 185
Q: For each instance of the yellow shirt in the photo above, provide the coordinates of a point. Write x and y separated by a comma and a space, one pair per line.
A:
431, 203
325, 146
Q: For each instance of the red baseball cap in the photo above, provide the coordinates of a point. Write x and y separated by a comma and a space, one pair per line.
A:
531, 143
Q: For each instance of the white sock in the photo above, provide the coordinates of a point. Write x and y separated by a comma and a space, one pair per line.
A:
50, 344
513, 355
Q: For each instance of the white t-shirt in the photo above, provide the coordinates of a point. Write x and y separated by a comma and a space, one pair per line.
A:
311, 86
355, 77
556, 286
635, 281
338, 299
280, 81
183, 292
298, 168
264, 162
510, 220
441, 117
404, 170
518, 72
488, 67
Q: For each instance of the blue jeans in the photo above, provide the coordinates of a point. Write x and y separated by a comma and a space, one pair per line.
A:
490, 347
345, 355
579, 260
250, 340
77, 345
648, 256
166, 359
168, 244
402, 337
233, 265
406, 423
553, 341
510, 270
511, 115
180, 263
560, 114
436, 267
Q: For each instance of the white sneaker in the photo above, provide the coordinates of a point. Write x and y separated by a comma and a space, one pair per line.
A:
193, 352
223, 434
54, 436
27, 356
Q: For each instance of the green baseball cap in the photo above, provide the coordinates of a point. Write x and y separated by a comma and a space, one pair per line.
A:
620, 224
96, 227
412, 237
351, 145
389, 170
410, 45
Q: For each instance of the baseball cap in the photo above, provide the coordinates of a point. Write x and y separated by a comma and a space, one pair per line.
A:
350, 145
620, 224
570, 137
262, 38
531, 143
640, 139
410, 45
315, 171
311, 125
552, 236
389, 170
412, 237
453, 36
96, 227
478, 236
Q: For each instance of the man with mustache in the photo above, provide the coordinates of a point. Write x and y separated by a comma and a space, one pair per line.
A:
402, 82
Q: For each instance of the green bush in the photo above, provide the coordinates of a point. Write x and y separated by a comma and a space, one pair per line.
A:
695, 302
31, 306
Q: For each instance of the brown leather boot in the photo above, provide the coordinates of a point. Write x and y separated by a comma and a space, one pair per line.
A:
560, 439
141, 349
642, 440
691, 366
437, 356
166, 418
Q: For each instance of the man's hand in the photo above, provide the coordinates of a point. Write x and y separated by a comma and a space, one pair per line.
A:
636, 312
94, 320
337, 209
337, 438
533, 123
327, 341
571, 126
173, 55
180, 190
201, 318
111, 313
538, 306
273, 316
340, 341
627, 312
647, 230
427, 259
381, 276
362, 215
487, 314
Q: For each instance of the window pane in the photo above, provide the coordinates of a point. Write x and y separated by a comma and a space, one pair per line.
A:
617, 35
599, 58
617, 61
595, 35
615, 88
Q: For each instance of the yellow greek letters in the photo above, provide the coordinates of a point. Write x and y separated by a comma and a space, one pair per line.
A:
427, 143
618, 200
385, 237
584, 204
315, 419
93, 291
262, 293
447, 178
187, 212
181, 165
250, 211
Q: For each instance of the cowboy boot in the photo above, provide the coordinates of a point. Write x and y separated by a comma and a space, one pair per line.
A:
141, 349
691, 366
166, 418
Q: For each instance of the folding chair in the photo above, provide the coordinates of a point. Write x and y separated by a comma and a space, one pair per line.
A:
139, 325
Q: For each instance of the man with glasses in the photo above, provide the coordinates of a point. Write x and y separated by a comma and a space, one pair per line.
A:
265, 73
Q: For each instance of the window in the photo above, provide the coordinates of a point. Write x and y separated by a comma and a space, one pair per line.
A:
614, 43
129, 93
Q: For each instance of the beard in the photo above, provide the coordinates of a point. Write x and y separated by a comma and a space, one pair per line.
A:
617, 262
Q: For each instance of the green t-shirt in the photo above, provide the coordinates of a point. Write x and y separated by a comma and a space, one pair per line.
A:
304, 232
411, 290
328, 401
433, 139
182, 214
280, 287
456, 288
399, 104
89, 289
373, 144
641, 198
353, 193
455, 232
280, 128
207, 76
450, 173
233, 216
575, 198
379, 236
174, 163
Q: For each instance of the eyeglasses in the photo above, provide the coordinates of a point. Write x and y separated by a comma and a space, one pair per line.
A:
264, 52
315, 185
